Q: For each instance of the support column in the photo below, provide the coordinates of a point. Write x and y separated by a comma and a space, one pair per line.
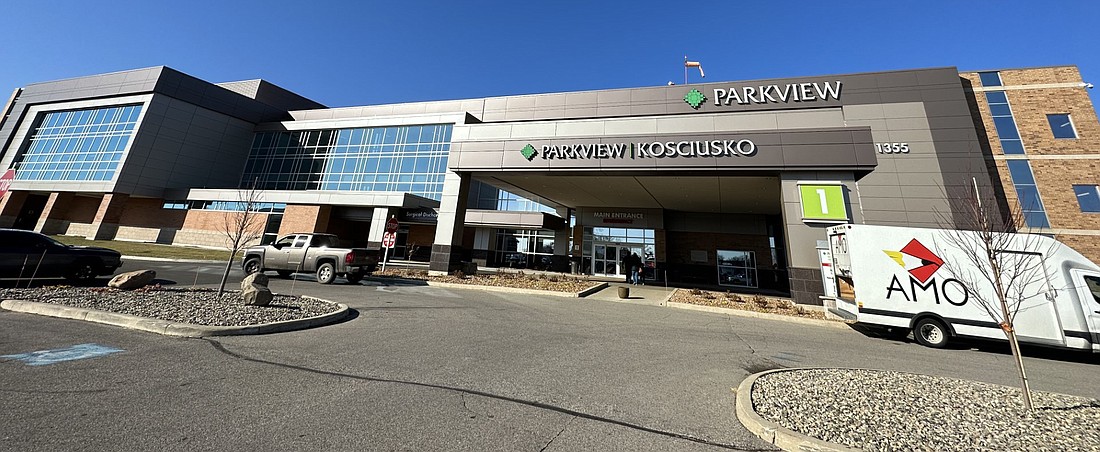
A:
52, 220
10, 207
447, 249
560, 261
803, 268
378, 227
105, 224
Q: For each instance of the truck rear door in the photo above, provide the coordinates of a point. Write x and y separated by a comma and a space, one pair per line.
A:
1037, 318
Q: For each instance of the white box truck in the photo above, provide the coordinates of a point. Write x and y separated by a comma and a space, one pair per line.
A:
916, 279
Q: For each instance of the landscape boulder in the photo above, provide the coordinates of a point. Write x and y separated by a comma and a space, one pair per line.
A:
257, 279
132, 280
257, 295
254, 290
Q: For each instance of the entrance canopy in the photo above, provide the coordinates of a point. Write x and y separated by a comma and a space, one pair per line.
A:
693, 193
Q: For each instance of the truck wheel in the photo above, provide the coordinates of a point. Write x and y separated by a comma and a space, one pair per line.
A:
284, 273
354, 278
326, 273
252, 266
930, 332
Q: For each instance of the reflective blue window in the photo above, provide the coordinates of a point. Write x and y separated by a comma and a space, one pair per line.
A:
78, 145
1061, 126
363, 159
992, 78
1027, 193
1088, 197
1005, 124
1020, 171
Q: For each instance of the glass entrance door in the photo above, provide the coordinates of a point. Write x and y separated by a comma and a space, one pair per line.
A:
607, 258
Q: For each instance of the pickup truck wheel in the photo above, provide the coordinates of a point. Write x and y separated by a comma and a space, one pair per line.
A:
252, 266
82, 272
930, 332
354, 278
284, 273
326, 273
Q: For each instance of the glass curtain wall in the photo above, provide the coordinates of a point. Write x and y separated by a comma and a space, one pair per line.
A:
78, 145
524, 248
408, 159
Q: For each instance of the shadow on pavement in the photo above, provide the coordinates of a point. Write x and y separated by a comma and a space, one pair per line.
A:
984, 345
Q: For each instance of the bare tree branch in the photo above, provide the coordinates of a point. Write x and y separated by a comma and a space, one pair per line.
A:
243, 226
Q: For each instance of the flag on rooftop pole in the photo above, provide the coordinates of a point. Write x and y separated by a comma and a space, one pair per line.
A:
688, 64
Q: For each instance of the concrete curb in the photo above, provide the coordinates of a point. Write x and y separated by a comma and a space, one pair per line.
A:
165, 259
756, 315
581, 294
771, 432
168, 328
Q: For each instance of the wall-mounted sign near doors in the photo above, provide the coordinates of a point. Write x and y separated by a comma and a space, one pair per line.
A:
823, 202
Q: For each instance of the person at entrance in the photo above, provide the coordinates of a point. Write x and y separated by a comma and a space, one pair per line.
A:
635, 268
626, 266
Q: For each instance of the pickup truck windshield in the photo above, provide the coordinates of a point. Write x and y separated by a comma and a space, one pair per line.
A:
324, 240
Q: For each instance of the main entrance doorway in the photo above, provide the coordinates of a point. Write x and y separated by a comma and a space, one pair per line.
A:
607, 258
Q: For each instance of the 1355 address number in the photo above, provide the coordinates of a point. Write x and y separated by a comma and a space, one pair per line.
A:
892, 148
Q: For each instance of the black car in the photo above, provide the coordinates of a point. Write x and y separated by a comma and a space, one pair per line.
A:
27, 254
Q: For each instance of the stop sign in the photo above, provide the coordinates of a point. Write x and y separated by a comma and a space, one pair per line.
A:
5, 182
391, 225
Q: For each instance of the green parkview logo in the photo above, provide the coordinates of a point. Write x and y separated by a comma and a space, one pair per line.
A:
528, 152
695, 98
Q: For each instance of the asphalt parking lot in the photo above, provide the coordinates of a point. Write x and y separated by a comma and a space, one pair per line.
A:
423, 368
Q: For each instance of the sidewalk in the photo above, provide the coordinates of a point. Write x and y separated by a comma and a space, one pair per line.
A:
640, 294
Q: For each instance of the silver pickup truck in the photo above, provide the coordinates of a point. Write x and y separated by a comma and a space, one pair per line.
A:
310, 253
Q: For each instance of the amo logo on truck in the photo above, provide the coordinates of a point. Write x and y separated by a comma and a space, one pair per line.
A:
921, 265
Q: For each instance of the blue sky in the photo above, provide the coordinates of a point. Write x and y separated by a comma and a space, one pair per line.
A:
344, 53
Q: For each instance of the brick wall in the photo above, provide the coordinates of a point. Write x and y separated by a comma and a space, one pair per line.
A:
150, 213
300, 218
1057, 164
82, 209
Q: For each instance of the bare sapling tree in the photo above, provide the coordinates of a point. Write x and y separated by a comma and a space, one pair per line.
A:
1001, 262
243, 226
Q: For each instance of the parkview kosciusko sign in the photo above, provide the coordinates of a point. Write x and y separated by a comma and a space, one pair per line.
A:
642, 150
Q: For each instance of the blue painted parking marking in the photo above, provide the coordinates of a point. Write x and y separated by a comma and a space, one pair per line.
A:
44, 357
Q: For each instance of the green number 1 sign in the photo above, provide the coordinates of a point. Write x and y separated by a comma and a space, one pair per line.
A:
823, 202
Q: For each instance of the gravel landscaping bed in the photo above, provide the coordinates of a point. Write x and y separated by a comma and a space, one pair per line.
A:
881, 410
755, 303
519, 280
195, 306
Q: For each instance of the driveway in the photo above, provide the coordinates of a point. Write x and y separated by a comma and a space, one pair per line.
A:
424, 368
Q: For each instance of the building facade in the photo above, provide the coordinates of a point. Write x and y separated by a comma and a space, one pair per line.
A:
725, 184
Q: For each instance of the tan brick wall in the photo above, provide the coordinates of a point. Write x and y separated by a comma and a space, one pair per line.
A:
300, 218
150, 213
1055, 179
1030, 107
211, 220
82, 209
1088, 245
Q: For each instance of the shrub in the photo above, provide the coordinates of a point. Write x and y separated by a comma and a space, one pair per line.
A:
733, 297
696, 292
759, 300
552, 278
708, 296
459, 274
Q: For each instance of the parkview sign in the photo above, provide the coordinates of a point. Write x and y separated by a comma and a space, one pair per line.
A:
767, 94
643, 150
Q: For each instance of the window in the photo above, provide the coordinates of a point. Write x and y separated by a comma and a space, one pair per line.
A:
737, 268
1027, 193
992, 78
1004, 122
410, 159
78, 145
1088, 197
1062, 126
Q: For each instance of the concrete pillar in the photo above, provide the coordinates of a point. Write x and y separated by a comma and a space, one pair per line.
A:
560, 261
105, 224
803, 268
10, 206
52, 220
447, 249
378, 227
